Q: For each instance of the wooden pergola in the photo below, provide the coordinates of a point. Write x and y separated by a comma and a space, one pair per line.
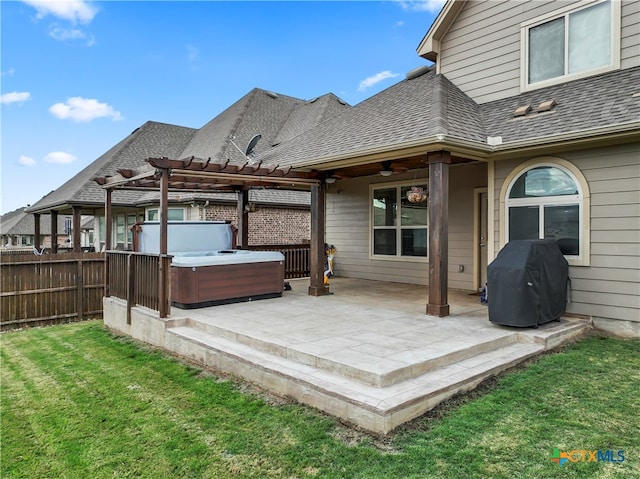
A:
204, 175
207, 176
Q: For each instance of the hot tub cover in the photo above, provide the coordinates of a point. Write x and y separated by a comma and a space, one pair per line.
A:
527, 283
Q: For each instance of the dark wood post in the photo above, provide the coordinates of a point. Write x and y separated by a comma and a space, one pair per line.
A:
318, 199
163, 287
80, 290
77, 215
36, 233
54, 231
438, 232
243, 219
107, 239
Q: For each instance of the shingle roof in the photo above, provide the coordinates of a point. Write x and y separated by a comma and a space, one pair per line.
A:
603, 100
275, 117
430, 105
19, 222
151, 139
413, 109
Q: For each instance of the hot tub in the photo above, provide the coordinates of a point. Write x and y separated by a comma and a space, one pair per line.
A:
206, 271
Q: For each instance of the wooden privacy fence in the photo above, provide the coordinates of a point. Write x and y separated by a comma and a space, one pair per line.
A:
296, 258
139, 279
50, 289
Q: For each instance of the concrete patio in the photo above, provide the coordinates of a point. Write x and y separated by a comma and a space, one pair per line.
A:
367, 353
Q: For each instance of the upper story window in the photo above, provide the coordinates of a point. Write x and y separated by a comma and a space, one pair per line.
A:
571, 44
399, 227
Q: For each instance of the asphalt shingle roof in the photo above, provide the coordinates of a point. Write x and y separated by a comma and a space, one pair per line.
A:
18, 222
602, 100
413, 109
151, 139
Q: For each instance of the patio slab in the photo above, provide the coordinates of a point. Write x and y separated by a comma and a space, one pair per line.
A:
367, 353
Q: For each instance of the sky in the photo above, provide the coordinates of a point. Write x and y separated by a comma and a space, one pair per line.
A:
77, 77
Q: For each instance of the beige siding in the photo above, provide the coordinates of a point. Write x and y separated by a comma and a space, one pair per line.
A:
348, 230
610, 287
481, 51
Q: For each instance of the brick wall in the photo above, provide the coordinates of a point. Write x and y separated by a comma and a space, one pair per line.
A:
267, 225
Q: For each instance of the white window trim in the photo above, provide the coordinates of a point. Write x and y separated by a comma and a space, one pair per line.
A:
584, 205
616, 13
154, 208
397, 257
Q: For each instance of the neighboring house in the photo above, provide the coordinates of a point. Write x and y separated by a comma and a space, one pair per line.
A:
17, 230
527, 126
277, 216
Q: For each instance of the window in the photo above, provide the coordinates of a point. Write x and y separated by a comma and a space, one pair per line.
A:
399, 228
173, 214
546, 202
576, 43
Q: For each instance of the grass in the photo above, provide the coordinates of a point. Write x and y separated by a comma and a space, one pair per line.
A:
78, 402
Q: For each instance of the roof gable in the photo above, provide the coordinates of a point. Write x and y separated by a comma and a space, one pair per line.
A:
151, 139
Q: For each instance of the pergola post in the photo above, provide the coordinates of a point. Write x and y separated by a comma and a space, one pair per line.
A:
54, 231
107, 239
163, 280
438, 232
317, 250
77, 215
36, 227
243, 219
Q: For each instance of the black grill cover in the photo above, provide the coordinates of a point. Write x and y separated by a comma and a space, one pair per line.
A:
527, 283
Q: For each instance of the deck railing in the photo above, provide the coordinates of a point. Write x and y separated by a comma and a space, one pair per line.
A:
139, 279
37, 290
296, 258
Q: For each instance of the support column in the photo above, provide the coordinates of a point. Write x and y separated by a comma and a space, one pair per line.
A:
243, 219
163, 270
107, 240
54, 231
36, 226
316, 260
438, 232
77, 216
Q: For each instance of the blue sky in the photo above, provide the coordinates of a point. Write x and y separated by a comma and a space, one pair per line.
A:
77, 77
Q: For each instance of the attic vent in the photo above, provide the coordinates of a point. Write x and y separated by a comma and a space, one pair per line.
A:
272, 95
546, 106
417, 72
313, 100
341, 101
522, 110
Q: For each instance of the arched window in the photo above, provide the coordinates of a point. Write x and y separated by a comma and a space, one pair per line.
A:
547, 201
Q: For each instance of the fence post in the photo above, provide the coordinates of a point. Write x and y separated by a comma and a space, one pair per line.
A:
80, 290
131, 281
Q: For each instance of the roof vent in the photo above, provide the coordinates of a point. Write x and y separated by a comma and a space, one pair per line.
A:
313, 100
546, 106
417, 72
271, 94
341, 101
522, 110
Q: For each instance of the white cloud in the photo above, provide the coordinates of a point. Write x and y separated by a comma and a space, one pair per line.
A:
75, 11
61, 34
26, 160
377, 78
8, 72
60, 158
15, 97
433, 6
83, 109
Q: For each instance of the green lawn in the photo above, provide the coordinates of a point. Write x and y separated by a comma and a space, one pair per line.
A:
78, 402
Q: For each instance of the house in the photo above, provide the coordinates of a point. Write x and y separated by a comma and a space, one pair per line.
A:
277, 216
17, 231
527, 125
